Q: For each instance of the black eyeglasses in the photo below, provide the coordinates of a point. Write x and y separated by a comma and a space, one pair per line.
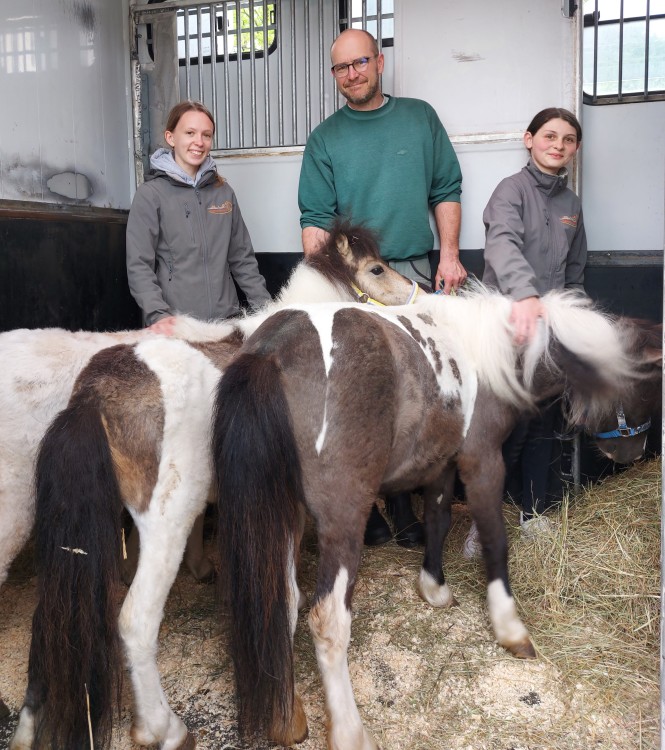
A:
341, 70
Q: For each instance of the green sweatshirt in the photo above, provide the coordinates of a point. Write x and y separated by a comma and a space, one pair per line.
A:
384, 169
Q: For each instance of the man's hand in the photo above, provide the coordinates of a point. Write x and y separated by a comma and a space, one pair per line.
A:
450, 274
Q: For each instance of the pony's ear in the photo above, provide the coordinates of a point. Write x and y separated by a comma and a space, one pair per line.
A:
343, 246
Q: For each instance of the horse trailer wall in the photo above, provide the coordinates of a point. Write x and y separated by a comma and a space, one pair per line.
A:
67, 143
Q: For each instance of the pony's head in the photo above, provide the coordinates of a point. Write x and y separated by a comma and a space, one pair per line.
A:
621, 430
350, 259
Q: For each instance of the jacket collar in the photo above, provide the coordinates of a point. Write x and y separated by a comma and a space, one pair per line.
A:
550, 184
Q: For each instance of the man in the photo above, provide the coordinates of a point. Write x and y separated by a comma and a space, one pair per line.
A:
383, 162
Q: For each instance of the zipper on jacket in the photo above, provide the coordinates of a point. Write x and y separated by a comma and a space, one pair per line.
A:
204, 248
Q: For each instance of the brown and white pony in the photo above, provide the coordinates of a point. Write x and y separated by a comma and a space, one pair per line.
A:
40, 366
135, 433
327, 407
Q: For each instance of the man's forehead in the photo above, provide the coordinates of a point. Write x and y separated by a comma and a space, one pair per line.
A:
350, 47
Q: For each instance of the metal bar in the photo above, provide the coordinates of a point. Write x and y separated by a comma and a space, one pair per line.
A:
280, 71
227, 81
266, 74
595, 51
213, 68
646, 50
199, 44
620, 77
241, 119
188, 94
252, 69
379, 25
294, 90
322, 64
308, 97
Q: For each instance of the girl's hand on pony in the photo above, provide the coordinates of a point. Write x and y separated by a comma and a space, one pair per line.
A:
164, 326
524, 316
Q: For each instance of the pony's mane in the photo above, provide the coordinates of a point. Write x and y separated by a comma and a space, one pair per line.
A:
476, 321
479, 322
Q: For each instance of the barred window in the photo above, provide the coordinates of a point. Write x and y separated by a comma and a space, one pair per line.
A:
624, 51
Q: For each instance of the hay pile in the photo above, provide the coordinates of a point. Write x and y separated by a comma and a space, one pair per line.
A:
591, 598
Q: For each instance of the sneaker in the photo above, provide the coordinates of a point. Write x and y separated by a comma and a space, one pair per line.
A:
472, 547
536, 527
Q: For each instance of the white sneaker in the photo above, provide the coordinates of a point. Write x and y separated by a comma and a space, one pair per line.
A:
538, 526
472, 547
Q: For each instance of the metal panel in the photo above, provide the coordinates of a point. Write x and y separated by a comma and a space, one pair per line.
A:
63, 139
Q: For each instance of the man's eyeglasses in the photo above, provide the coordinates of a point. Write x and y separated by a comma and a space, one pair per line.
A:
341, 70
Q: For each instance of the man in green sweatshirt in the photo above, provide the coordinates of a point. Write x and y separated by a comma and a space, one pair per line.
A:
383, 162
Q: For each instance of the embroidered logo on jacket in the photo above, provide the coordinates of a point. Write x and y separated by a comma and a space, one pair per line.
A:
571, 221
225, 208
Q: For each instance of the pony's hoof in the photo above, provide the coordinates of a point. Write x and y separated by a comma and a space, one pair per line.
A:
433, 593
296, 732
522, 650
203, 571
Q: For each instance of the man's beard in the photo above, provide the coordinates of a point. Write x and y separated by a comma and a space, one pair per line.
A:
368, 96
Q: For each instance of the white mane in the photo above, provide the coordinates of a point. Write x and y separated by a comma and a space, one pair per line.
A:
478, 322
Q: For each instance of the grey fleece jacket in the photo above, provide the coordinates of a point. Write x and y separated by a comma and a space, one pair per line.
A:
534, 235
186, 239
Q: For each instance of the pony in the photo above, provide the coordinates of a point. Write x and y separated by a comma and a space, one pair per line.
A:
135, 433
325, 408
41, 366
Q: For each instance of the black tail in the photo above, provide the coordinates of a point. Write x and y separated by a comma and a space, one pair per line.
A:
259, 485
74, 655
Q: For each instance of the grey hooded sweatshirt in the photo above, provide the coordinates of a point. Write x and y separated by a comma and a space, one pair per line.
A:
534, 235
186, 242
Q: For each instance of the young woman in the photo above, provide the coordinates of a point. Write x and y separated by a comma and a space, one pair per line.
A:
186, 239
535, 242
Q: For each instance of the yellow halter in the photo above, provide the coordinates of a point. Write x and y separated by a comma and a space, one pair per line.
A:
366, 299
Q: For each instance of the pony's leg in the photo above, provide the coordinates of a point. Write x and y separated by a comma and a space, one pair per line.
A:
483, 478
17, 507
330, 624
130, 563
432, 585
24, 734
163, 538
196, 561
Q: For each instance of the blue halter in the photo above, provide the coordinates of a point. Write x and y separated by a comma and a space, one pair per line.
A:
623, 430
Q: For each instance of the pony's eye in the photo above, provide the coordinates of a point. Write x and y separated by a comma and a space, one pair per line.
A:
377, 270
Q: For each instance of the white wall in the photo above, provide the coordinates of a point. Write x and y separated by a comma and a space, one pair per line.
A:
623, 176
487, 68
64, 135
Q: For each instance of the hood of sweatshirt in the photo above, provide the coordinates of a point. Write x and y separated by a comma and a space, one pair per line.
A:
163, 161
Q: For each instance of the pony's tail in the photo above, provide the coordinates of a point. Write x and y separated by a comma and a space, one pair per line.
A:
74, 655
259, 485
